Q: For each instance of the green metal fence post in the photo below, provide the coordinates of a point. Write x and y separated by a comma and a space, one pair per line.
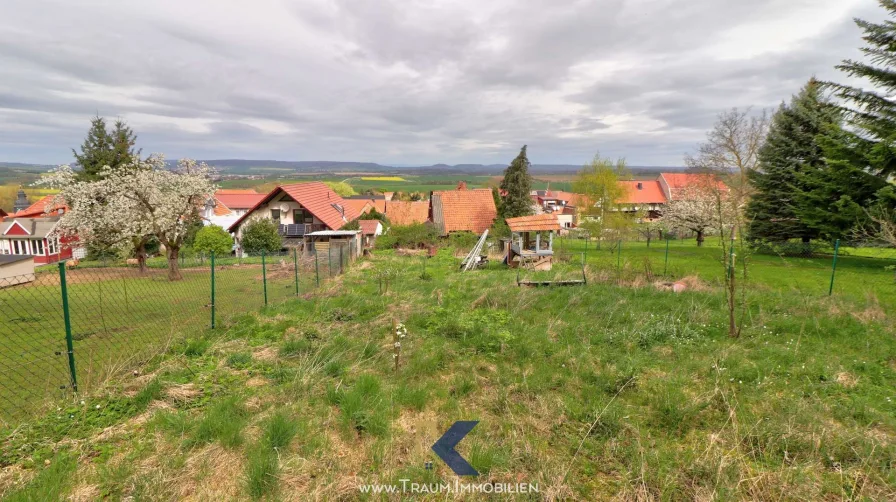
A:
666, 264
317, 267
264, 278
619, 257
212, 262
68, 328
295, 267
834, 266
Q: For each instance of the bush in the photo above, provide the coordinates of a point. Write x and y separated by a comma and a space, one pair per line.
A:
213, 239
418, 235
261, 234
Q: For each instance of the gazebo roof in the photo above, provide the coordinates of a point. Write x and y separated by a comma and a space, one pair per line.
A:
534, 223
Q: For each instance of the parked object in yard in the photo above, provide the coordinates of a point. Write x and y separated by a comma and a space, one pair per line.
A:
527, 249
475, 258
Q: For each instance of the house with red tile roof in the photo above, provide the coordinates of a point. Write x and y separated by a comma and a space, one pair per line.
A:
462, 210
299, 209
228, 205
44, 207
370, 229
38, 237
676, 185
643, 195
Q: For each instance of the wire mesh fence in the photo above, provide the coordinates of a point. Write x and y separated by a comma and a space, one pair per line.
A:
67, 329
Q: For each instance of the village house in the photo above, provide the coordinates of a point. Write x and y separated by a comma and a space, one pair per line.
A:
676, 186
402, 212
228, 205
37, 237
370, 229
302, 212
462, 210
643, 195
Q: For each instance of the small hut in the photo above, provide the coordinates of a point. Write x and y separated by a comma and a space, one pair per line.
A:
532, 241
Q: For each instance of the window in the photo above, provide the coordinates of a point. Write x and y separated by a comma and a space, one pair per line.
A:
52, 245
19, 247
275, 214
38, 246
302, 216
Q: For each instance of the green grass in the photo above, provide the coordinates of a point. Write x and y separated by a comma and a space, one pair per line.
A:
617, 389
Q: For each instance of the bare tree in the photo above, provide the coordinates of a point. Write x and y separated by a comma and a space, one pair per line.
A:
729, 154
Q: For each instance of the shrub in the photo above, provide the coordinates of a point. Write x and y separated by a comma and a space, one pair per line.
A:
213, 239
261, 234
409, 236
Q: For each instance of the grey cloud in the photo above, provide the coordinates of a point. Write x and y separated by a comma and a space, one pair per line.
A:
394, 81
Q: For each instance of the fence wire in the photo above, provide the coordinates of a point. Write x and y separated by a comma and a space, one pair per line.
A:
120, 316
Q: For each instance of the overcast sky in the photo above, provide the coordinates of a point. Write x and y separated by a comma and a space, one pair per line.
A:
407, 81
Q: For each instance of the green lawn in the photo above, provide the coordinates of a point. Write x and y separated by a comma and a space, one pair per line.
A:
617, 389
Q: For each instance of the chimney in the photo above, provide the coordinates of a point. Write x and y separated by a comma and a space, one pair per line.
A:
640, 186
462, 185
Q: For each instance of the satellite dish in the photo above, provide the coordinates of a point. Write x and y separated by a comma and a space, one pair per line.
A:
284, 208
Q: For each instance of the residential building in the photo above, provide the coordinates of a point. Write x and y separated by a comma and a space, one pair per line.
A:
370, 229
35, 236
299, 209
228, 205
675, 186
462, 210
643, 195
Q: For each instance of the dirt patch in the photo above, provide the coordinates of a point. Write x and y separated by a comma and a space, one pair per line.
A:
256, 382
213, 474
84, 493
872, 313
14, 476
182, 393
266, 354
847, 380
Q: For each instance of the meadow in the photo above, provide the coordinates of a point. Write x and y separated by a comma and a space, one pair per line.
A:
619, 388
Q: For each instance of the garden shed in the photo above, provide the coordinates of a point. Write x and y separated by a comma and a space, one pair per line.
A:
532, 241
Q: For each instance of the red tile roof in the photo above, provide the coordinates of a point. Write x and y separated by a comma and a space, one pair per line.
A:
368, 227
40, 208
678, 182
406, 213
650, 192
239, 199
316, 197
534, 223
360, 206
464, 210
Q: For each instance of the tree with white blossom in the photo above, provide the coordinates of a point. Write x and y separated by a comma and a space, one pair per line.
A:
698, 208
127, 206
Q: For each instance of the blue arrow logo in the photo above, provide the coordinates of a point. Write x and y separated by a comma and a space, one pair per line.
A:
444, 448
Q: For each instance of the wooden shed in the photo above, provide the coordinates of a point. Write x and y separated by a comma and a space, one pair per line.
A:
532, 241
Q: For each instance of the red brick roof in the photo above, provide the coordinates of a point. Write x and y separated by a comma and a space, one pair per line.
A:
368, 227
40, 208
460, 210
239, 199
406, 213
650, 192
360, 206
680, 181
316, 197
534, 223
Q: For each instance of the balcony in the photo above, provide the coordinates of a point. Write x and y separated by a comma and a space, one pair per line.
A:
299, 230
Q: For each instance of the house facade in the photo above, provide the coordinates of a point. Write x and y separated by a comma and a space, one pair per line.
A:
37, 237
299, 210
643, 195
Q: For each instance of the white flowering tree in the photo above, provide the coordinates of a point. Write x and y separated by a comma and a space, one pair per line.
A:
127, 206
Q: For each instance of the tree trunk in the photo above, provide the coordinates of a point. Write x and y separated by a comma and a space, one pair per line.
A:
173, 267
807, 249
141, 256
648, 238
700, 238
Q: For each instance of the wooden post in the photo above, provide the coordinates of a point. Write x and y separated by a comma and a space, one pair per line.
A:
537, 242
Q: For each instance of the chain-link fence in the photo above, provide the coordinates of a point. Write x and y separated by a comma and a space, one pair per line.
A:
69, 328
858, 270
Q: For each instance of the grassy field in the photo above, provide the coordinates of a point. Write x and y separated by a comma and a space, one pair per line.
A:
618, 389
405, 183
120, 318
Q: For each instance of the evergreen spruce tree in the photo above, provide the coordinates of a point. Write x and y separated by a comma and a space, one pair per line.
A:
790, 149
102, 148
517, 184
861, 158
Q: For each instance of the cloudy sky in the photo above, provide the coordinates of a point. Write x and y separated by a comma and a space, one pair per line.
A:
406, 81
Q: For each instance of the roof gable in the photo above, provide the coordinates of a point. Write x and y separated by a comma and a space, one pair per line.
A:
315, 196
369, 227
650, 192
16, 228
534, 223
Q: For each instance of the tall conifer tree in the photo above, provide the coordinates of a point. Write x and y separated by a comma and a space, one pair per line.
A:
517, 184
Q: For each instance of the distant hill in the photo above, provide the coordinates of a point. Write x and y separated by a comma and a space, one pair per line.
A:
275, 167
